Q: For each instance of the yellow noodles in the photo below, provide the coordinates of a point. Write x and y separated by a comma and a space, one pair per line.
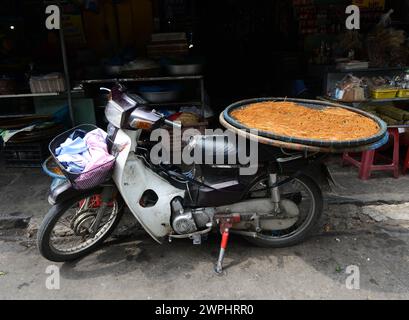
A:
294, 120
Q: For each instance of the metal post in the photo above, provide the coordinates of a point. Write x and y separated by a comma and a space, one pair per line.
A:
202, 97
65, 63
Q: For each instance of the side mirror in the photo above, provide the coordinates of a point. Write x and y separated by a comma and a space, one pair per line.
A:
109, 91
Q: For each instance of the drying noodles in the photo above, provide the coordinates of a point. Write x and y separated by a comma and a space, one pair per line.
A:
293, 120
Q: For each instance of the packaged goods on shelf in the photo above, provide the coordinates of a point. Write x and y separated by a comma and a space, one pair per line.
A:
53, 82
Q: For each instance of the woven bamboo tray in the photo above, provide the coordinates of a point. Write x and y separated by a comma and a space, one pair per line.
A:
312, 145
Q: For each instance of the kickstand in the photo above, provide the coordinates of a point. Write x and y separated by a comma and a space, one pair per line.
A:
225, 222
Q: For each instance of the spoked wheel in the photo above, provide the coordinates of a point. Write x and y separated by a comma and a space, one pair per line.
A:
302, 192
65, 233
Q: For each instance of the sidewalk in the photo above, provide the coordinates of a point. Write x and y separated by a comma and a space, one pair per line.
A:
380, 188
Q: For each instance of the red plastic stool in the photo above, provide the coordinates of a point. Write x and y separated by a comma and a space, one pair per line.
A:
366, 165
404, 141
406, 163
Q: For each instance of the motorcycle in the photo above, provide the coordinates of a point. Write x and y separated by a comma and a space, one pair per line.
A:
278, 206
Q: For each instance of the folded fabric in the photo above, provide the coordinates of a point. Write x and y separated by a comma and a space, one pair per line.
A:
8, 134
97, 148
70, 146
82, 152
72, 167
75, 163
73, 152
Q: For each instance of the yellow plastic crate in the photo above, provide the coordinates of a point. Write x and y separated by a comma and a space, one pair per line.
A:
403, 93
384, 93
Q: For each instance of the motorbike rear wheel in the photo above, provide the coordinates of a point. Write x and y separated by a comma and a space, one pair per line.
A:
68, 222
305, 190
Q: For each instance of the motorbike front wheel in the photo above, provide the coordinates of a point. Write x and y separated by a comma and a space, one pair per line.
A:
65, 233
306, 194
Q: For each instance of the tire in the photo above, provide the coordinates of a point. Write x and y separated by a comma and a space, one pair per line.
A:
316, 193
52, 217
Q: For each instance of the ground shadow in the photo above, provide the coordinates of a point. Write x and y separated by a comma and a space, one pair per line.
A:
329, 255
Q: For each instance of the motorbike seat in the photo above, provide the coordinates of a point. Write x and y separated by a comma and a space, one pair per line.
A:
213, 149
218, 150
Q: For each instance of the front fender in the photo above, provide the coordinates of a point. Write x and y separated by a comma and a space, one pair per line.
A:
65, 192
133, 178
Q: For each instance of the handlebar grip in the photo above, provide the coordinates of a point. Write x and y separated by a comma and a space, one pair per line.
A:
176, 125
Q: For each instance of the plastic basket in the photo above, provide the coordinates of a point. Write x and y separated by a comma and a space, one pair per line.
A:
25, 155
88, 179
53, 82
403, 93
385, 93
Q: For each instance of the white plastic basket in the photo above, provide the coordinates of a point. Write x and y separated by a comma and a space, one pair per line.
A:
53, 82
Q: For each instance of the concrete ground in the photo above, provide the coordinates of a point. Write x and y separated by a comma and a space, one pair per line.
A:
365, 224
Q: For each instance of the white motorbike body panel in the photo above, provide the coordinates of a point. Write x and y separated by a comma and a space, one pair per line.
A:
133, 178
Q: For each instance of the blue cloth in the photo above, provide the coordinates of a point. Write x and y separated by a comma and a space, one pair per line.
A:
75, 163
71, 146
72, 152
83, 152
73, 167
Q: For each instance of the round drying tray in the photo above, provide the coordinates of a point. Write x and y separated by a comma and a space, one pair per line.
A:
301, 147
313, 104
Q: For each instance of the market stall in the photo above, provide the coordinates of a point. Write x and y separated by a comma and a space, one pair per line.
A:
364, 68
184, 65
37, 91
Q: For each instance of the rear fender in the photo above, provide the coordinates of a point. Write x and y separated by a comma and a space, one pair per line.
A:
316, 170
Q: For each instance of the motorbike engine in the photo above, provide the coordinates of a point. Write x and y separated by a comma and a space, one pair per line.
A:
182, 221
186, 221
